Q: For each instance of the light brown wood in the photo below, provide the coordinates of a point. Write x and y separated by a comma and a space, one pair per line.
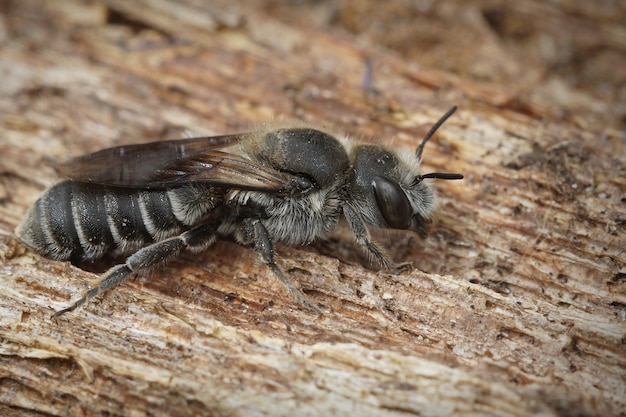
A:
517, 305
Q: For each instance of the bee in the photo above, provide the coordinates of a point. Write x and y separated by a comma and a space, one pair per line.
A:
149, 202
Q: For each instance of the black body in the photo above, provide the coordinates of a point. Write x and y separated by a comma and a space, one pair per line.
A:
286, 185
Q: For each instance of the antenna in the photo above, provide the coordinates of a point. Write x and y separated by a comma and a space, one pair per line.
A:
431, 132
442, 176
438, 175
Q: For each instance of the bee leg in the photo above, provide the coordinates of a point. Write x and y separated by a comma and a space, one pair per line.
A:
263, 245
364, 238
195, 240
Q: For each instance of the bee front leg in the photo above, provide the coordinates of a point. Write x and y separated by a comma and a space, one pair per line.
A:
363, 238
195, 240
254, 230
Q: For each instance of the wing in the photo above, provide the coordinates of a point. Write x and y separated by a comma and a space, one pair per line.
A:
232, 171
137, 165
175, 163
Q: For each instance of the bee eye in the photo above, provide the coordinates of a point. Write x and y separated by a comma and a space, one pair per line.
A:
392, 202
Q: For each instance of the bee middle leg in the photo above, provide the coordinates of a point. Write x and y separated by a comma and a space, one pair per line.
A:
254, 230
195, 240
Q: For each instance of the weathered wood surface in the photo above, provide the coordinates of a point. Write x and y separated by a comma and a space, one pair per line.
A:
521, 307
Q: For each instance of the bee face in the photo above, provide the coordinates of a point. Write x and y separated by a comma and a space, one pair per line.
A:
386, 189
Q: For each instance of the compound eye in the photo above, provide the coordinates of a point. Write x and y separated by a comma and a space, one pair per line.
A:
392, 203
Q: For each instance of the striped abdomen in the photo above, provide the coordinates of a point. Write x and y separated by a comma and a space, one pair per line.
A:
82, 222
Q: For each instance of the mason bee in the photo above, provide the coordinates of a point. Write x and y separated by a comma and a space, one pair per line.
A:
289, 185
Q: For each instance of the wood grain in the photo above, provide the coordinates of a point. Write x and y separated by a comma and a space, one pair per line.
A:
517, 305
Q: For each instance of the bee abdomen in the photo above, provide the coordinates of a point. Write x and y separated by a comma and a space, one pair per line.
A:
83, 222
70, 221
48, 227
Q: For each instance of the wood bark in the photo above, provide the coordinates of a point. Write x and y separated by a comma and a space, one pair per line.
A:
517, 304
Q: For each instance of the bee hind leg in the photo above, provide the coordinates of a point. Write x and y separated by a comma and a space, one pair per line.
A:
196, 240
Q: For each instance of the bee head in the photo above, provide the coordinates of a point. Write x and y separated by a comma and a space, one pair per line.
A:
388, 189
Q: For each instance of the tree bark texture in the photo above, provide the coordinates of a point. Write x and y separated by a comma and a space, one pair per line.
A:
517, 303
